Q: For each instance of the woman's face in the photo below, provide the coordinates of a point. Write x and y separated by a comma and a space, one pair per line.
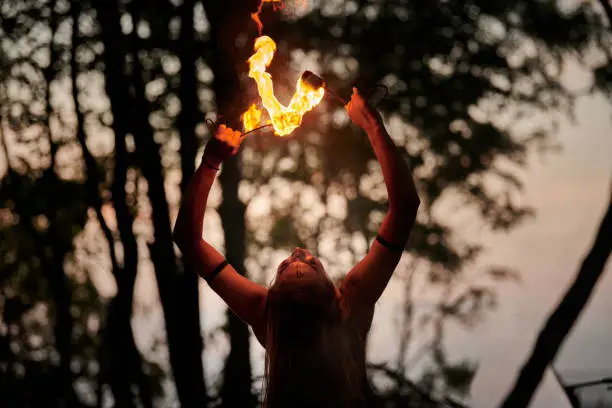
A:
302, 277
301, 264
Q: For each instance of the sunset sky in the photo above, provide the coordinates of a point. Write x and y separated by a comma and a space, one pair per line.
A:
570, 191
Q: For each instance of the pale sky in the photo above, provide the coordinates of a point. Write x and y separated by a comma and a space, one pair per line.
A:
570, 192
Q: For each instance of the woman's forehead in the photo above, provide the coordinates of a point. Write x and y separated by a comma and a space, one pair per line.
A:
299, 270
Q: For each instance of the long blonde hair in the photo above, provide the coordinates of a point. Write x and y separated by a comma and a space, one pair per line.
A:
309, 358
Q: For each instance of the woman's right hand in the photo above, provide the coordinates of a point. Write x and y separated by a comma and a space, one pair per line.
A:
223, 145
361, 113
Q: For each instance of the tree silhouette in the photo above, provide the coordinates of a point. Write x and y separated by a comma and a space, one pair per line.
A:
561, 321
178, 292
124, 365
228, 20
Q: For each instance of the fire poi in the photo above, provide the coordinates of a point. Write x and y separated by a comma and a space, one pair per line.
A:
308, 93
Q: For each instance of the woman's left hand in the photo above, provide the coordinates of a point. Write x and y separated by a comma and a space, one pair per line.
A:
361, 113
223, 145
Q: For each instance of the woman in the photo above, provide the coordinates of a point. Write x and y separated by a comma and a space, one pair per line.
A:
313, 332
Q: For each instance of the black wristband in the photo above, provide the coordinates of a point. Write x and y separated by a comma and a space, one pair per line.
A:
216, 271
390, 246
209, 165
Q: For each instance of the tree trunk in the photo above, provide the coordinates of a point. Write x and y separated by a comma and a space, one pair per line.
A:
188, 94
58, 281
117, 359
178, 297
122, 364
562, 320
186, 124
178, 291
120, 361
229, 19
125, 365
237, 382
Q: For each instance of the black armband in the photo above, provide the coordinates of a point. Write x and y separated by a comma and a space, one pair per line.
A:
390, 246
210, 166
209, 278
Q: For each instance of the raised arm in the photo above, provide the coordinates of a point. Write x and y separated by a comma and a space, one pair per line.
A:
368, 279
243, 297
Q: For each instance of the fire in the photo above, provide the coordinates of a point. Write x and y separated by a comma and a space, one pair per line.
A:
251, 118
278, 4
284, 119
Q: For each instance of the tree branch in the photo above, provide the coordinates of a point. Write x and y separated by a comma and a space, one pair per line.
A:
562, 320
91, 169
607, 9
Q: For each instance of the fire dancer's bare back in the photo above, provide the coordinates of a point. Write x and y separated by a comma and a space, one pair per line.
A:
313, 332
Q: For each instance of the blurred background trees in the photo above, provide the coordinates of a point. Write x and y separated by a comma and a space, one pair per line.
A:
102, 109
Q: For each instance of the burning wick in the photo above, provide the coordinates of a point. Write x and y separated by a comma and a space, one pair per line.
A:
317, 82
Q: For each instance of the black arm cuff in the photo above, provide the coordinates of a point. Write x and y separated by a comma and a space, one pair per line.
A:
390, 246
216, 271
210, 166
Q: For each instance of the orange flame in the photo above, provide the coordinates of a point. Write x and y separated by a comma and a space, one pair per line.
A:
251, 118
284, 119
278, 4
